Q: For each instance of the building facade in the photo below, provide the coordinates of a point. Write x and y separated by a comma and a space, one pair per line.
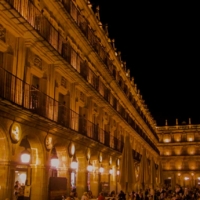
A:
66, 98
179, 153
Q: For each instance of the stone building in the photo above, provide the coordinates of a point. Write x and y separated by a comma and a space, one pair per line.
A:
67, 102
179, 153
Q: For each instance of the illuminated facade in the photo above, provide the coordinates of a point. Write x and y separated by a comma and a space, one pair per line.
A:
179, 153
66, 103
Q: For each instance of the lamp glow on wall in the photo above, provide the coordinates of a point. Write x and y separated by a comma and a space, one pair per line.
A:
118, 172
111, 171
89, 167
74, 163
25, 155
101, 169
54, 158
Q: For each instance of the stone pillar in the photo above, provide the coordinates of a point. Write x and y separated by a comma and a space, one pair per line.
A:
39, 183
6, 180
81, 176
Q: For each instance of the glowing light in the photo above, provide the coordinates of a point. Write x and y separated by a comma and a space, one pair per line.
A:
167, 138
22, 178
89, 167
54, 162
101, 169
25, 156
74, 163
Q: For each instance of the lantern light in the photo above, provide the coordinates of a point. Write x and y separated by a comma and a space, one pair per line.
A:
89, 167
101, 169
25, 156
54, 158
111, 171
74, 163
54, 161
118, 172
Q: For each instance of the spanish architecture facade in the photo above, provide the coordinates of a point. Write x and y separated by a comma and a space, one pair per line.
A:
179, 153
66, 97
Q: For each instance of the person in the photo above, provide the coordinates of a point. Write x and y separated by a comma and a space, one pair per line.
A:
71, 196
101, 196
90, 196
85, 196
112, 195
133, 195
21, 193
139, 195
16, 189
122, 195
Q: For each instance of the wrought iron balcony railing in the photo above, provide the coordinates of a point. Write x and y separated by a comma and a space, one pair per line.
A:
30, 98
95, 43
41, 24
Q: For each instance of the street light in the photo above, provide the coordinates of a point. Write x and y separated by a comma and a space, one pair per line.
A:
74, 163
54, 159
25, 155
111, 171
89, 167
101, 169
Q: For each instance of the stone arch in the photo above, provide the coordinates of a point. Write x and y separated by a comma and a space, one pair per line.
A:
37, 149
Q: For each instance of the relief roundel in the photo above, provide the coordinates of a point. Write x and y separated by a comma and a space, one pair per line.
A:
48, 142
15, 132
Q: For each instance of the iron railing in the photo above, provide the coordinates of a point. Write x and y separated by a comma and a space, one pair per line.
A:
31, 98
95, 43
39, 22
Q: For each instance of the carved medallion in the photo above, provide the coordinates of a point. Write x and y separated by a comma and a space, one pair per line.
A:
15, 132
37, 62
48, 142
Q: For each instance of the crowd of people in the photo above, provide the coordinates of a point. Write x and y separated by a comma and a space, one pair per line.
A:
163, 193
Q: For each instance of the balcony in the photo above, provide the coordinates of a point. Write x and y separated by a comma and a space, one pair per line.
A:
100, 50
39, 22
32, 99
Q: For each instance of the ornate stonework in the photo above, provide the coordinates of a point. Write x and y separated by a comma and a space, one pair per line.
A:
48, 142
15, 132
37, 61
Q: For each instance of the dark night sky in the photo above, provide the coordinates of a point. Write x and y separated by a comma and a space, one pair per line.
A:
160, 43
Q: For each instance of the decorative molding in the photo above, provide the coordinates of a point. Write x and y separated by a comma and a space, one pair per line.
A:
48, 141
15, 132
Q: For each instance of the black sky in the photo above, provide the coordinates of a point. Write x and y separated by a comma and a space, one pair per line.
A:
160, 43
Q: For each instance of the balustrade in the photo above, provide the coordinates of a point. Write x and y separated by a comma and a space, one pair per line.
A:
41, 24
31, 98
